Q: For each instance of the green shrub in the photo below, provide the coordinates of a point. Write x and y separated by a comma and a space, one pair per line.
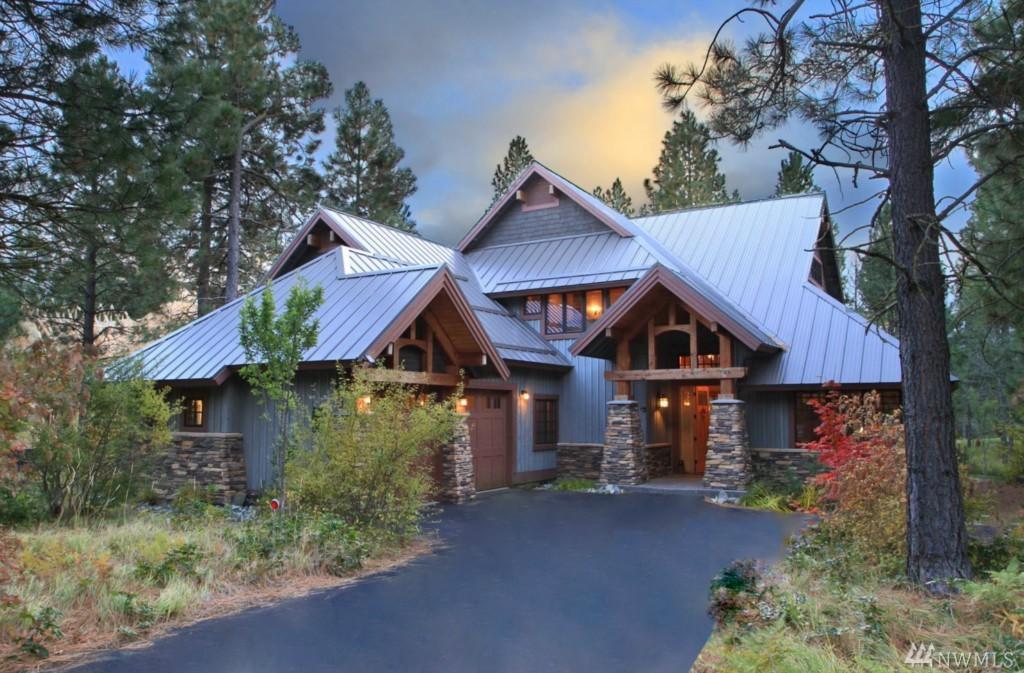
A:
739, 594
563, 484
766, 496
180, 561
21, 506
39, 627
92, 447
369, 456
195, 503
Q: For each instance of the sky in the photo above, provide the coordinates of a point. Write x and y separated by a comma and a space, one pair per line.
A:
574, 77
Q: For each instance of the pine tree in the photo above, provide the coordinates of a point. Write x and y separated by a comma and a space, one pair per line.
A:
108, 255
362, 175
687, 172
244, 103
514, 163
795, 176
876, 279
616, 197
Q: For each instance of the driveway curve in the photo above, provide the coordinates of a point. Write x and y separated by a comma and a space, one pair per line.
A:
526, 581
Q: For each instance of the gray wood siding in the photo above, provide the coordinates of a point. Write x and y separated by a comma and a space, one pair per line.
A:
769, 419
515, 225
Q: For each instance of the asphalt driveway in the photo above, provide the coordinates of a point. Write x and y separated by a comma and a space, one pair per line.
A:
526, 581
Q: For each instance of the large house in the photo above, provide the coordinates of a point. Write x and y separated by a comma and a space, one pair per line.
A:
593, 344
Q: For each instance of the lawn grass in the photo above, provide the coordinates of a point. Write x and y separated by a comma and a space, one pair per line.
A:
104, 583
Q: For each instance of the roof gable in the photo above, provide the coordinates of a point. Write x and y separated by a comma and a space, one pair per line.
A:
529, 188
316, 236
702, 299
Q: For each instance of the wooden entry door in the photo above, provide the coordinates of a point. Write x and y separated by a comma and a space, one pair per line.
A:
488, 435
702, 424
695, 420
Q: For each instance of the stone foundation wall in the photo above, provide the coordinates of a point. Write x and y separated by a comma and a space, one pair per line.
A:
458, 481
658, 460
728, 459
623, 461
785, 466
579, 461
214, 460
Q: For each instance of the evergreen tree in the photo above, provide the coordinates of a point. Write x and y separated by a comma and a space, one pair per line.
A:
687, 172
514, 163
228, 73
362, 175
876, 279
795, 176
41, 44
107, 255
616, 197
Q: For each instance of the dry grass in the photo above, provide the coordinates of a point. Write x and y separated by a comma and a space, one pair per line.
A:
114, 585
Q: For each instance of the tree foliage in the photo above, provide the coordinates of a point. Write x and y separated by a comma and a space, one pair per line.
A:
687, 173
231, 82
41, 44
274, 345
616, 197
876, 278
363, 176
517, 160
796, 176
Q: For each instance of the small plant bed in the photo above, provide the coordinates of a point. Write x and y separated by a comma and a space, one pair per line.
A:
566, 484
101, 584
774, 497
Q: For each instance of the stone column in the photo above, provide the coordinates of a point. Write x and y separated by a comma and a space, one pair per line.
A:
623, 461
457, 479
728, 460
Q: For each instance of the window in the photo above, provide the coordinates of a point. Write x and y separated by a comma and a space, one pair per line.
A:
805, 420
532, 305
193, 412
545, 423
571, 312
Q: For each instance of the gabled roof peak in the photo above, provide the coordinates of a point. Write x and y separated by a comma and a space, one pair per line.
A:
611, 218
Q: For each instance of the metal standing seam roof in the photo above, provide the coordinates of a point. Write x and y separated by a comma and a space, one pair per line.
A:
758, 254
356, 309
514, 339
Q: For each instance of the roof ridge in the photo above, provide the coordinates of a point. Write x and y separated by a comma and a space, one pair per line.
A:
727, 204
543, 240
367, 220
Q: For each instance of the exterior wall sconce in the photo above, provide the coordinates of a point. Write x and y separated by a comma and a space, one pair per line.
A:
524, 395
663, 401
463, 402
366, 399
686, 400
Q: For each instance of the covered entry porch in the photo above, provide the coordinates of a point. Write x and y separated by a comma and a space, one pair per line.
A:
674, 366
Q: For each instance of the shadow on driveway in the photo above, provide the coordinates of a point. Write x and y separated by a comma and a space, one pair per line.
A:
526, 581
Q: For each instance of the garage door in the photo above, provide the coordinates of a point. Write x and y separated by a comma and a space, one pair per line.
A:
488, 435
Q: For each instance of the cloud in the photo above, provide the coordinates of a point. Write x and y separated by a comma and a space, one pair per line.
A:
575, 78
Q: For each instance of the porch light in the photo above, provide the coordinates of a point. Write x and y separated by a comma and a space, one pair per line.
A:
463, 402
686, 400
524, 395
663, 401
366, 399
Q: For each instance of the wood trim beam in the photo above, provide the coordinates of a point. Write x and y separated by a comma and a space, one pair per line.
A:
620, 376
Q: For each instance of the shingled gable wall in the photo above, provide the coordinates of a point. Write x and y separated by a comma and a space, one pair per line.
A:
515, 225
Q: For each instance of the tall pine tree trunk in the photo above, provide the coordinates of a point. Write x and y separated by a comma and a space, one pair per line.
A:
936, 535
234, 223
90, 300
204, 293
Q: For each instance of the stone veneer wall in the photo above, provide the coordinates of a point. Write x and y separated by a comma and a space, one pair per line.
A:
457, 478
728, 458
658, 459
579, 461
214, 460
623, 461
785, 466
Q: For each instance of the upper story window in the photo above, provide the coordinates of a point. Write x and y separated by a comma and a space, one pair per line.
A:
570, 312
193, 413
